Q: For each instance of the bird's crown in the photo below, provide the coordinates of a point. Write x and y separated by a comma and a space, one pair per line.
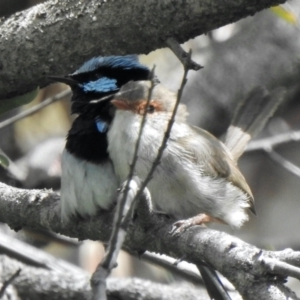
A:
100, 77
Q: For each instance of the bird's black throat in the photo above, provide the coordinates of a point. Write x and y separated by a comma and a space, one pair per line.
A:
85, 142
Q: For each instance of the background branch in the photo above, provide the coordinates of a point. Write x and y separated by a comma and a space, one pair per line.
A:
45, 285
45, 34
274, 141
283, 162
30, 111
54, 279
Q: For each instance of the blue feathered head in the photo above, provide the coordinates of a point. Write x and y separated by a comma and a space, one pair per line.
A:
108, 74
102, 76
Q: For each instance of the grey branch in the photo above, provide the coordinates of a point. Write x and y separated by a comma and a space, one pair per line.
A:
125, 206
124, 203
268, 145
182, 55
57, 36
188, 64
35, 109
8, 282
46, 285
236, 260
283, 162
54, 279
274, 141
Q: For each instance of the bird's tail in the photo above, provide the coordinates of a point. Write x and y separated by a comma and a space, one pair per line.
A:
250, 117
213, 284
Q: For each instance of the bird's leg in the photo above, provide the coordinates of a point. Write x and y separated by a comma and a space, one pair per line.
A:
201, 219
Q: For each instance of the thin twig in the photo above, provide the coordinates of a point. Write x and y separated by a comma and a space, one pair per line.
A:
121, 224
274, 141
123, 210
268, 145
35, 108
156, 162
182, 55
13, 169
129, 178
283, 162
9, 281
98, 280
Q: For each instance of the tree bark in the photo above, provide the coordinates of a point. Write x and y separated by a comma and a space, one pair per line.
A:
256, 274
55, 37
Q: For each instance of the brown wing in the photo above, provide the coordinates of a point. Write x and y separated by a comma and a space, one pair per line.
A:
218, 161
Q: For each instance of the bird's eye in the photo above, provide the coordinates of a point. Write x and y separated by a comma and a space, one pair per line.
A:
150, 109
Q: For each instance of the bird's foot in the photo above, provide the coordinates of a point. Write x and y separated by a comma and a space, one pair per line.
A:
201, 219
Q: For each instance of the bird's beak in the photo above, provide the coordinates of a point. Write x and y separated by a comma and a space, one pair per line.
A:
64, 79
121, 104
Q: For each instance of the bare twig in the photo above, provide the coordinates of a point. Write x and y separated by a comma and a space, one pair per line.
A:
182, 55
13, 169
283, 162
98, 280
156, 162
35, 109
9, 281
124, 208
268, 145
274, 141
137, 146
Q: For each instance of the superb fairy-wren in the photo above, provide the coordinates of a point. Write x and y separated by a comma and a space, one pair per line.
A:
197, 174
88, 179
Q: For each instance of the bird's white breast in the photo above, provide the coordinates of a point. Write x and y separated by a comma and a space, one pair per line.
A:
85, 186
179, 186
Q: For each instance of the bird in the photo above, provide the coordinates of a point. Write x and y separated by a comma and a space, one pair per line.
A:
197, 180
88, 181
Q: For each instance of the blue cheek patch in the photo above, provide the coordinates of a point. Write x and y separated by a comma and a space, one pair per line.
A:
102, 126
102, 85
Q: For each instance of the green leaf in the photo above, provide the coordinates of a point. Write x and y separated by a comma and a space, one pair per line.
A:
8, 104
4, 161
285, 13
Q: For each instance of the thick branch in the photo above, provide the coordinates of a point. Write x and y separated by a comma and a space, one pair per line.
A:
57, 279
44, 284
57, 36
238, 261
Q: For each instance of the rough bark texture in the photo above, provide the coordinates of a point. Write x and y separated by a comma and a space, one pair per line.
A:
53, 278
39, 283
57, 36
240, 262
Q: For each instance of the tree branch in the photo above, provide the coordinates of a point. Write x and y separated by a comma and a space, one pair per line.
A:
54, 279
237, 261
45, 285
30, 111
57, 36
274, 141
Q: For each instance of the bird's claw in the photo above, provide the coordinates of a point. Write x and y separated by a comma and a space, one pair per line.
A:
181, 226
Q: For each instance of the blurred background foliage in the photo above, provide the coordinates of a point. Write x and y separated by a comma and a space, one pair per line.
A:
259, 50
